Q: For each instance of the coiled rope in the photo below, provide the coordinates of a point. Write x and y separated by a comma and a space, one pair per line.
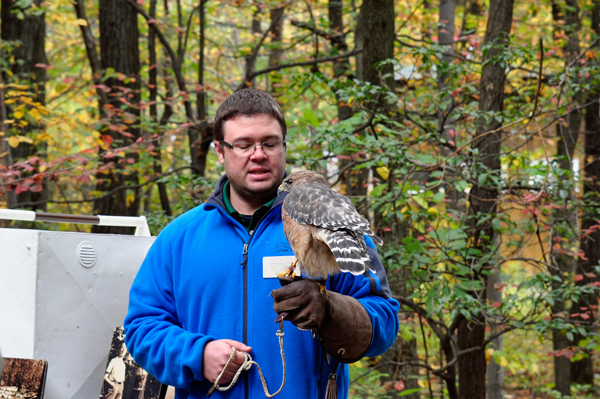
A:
248, 362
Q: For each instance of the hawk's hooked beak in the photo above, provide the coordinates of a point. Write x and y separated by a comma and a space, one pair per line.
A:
280, 189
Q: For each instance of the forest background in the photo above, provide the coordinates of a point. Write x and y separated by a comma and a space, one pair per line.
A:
467, 131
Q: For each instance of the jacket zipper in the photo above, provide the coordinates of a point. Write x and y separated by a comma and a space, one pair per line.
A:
244, 265
245, 326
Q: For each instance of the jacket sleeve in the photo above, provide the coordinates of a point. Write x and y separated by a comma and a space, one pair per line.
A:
153, 333
373, 292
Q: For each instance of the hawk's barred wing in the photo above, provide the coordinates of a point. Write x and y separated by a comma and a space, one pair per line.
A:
318, 205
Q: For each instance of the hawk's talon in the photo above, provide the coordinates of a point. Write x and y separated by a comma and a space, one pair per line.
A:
290, 271
322, 287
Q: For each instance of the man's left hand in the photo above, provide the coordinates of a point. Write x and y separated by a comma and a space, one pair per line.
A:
343, 324
306, 308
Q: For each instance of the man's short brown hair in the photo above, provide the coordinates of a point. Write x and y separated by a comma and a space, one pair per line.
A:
247, 102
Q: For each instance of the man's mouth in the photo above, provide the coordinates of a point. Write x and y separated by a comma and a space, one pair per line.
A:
258, 172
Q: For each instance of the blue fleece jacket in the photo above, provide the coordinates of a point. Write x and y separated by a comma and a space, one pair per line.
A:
202, 280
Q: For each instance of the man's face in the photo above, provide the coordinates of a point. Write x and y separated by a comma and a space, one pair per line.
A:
254, 178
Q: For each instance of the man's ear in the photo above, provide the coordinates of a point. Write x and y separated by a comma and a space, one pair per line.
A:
219, 150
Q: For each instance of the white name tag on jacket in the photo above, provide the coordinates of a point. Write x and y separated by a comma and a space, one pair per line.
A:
274, 265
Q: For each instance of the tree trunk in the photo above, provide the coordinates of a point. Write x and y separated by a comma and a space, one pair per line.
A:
5, 158
250, 60
119, 51
153, 84
583, 370
495, 373
205, 129
402, 351
483, 201
447, 121
378, 35
341, 68
30, 31
567, 229
375, 33
276, 50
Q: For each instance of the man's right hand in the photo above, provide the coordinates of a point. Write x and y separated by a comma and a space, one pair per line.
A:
216, 354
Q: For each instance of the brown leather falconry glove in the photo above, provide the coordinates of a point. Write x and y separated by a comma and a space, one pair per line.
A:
343, 325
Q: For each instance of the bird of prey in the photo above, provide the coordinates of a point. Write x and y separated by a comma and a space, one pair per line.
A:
323, 228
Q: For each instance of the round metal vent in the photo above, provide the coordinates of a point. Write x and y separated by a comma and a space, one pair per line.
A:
86, 253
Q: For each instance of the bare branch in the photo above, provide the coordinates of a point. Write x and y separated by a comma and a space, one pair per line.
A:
305, 63
336, 39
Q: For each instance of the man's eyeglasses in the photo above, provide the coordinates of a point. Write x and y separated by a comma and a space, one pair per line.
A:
244, 148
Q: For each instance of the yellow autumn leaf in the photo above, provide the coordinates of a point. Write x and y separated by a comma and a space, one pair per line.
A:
24, 139
384, 172
81, 22
13, 141
35, 114
358, 365
433, 211
503, 362
44, 137
18, 114
42, 168
488, 355
130, 198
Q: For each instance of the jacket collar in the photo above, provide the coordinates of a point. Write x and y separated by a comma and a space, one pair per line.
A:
216, 198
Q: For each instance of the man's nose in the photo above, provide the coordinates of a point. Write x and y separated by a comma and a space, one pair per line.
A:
258, 152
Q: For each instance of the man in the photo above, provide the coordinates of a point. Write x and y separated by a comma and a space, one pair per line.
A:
115, 374
206, 283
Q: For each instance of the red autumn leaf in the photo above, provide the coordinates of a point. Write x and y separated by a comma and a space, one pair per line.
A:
85, 178
584, 316
590, 275
399, 385
21, 188
496, 304
578, 277
36, 188
107, 138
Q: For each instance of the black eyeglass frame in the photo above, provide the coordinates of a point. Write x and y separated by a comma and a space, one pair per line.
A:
231, 146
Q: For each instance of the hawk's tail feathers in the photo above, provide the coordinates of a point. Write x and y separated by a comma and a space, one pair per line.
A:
349, 253
377, 240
